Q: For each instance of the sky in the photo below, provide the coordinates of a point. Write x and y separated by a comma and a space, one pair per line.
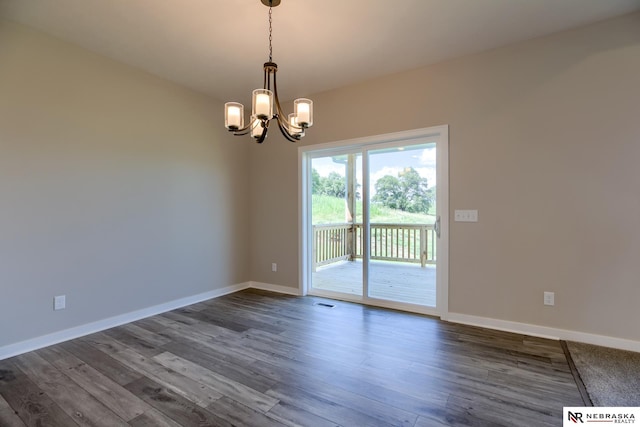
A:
388, 162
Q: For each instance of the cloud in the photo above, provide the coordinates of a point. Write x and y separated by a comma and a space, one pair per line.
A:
393, 171
429, 173
325, 167
428, 157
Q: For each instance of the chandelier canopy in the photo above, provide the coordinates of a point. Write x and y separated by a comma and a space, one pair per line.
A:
265, 105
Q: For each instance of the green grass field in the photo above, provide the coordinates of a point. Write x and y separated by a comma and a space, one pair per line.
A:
331, 210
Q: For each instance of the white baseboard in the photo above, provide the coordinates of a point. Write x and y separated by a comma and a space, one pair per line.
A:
275, 288
485, 322
544, 331
111, 322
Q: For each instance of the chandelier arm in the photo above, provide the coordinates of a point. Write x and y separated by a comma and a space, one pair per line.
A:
282, 118
245, 130
286, 133
284, 122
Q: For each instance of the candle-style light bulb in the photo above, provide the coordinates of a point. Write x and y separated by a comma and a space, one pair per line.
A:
294, 129
303, 109
262, 104
233, 115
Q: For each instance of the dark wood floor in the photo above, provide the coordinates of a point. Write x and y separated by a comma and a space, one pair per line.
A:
260, 359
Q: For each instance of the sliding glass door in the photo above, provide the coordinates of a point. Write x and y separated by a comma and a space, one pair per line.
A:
402, 214
336, 214
372, 220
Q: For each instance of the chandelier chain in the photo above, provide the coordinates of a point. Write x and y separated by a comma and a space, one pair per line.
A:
270, 37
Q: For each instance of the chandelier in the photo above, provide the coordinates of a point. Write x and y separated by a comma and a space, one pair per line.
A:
263, 103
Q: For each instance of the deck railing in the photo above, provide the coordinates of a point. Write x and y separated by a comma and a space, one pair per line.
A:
414, 243
331, 243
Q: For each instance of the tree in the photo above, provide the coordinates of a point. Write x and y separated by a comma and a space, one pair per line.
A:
415, 190
334, 185
316, 182
431, 193
408, 192
389, 192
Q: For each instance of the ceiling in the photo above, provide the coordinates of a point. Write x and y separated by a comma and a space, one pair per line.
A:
218, 47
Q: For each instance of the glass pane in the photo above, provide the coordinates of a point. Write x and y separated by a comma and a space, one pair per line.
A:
402, 201
336, 215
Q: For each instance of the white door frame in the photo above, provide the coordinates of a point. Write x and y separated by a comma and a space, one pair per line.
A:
439, 134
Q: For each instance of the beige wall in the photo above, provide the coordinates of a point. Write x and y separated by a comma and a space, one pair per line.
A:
117, 188
123, 191
544, 142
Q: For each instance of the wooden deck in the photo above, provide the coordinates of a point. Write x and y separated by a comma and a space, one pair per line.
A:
394, 281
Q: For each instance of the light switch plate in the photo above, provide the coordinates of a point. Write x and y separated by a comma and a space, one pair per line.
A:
465, 215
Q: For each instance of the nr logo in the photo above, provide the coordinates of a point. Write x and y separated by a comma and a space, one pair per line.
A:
575, 417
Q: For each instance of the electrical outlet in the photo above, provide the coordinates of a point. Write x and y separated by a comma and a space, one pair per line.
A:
549, 298
274, 267
60, 302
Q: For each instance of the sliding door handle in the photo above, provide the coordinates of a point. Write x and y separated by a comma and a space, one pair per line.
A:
436, 226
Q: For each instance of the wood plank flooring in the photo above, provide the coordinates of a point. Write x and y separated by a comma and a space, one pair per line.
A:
259, 359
